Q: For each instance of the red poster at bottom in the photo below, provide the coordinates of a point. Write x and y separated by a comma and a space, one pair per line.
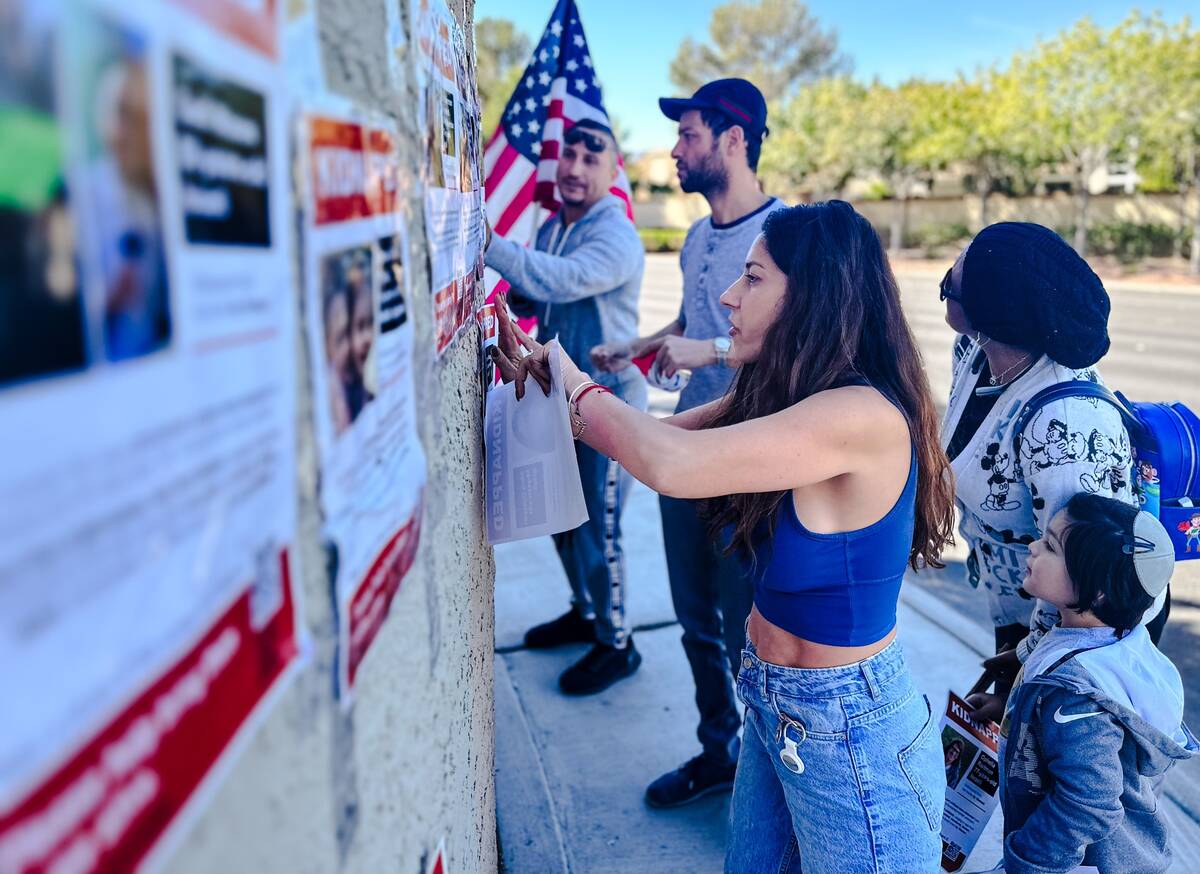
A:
106, 807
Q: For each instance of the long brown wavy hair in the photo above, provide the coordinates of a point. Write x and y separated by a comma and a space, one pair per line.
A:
840, 323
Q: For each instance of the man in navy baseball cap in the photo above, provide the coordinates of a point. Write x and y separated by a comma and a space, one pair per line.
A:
738, 99
721, 129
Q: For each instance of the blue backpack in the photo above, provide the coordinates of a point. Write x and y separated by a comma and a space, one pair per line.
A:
1165, 439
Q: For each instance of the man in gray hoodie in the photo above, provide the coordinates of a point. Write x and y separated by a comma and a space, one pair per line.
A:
584, 275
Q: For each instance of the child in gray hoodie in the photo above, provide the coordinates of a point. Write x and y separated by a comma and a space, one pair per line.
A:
1095, 720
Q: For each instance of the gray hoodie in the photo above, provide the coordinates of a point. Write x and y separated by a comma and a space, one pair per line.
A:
1092, 727
587, 277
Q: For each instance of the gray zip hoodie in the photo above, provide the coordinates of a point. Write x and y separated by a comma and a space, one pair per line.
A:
587, 277
1092, 728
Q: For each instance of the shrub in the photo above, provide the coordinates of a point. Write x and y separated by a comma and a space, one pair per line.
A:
662, 239
1130, 242
932, 237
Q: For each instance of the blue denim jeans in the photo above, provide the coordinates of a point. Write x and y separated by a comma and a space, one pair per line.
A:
591, 554
870, 789
712, 597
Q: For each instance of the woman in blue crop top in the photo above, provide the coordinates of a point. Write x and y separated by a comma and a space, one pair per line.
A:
824, 472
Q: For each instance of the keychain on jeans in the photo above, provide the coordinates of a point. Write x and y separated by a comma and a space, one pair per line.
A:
788, 755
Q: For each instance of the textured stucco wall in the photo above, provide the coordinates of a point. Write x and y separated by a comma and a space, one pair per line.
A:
373, 790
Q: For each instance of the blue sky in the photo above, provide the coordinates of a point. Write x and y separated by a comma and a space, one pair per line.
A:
633, 41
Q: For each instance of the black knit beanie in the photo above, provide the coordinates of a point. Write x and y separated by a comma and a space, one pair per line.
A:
1022, 284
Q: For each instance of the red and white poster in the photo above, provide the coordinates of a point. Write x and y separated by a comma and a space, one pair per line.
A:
358, 293
972, 757
147, 422
448, 114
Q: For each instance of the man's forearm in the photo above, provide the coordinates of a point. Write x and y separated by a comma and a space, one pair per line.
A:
674, 329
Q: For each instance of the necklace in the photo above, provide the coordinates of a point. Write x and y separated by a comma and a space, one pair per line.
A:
998, 378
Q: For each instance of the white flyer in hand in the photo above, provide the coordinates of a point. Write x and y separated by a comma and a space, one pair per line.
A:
972, 755
533, 486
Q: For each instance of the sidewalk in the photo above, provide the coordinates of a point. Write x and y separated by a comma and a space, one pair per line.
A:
570, 773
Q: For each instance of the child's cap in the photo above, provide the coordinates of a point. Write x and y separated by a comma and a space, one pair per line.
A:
1152, 551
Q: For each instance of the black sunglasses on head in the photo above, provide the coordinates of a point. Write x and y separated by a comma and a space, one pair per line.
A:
946, 290
591, 141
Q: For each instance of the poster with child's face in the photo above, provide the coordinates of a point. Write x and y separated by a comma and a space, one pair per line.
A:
348, 315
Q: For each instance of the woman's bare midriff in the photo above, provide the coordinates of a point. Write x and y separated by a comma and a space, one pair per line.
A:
778, 647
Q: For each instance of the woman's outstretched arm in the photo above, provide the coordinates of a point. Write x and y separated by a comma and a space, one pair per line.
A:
831, 433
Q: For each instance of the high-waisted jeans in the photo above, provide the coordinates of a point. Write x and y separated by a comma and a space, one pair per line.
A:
840, 770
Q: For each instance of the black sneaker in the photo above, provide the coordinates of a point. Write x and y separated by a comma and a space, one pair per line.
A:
599, 669
696, 778
568, 628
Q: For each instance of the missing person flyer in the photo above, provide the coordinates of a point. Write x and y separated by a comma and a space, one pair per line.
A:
972, 751
147, 414
358, 293
448, 113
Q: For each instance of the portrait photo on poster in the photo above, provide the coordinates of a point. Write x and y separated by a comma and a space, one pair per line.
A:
125, 264
42, 327
958, 753
362, 297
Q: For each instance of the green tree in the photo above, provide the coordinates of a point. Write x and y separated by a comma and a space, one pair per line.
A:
501, 53
974, 125
1079, 103
810, 148
893, 124
776, 44
1169, 136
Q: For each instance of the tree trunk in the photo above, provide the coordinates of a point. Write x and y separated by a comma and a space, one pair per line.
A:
985, 188
1195, 260
1082, 199
896, 231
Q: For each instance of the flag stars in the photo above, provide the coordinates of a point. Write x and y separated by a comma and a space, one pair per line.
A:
518, 130
556, 51
580, 85
572, 66
528, 81
543, 55
544, 78
530, 104
534, 127
579, 40
556, 28
546, 99
587, 60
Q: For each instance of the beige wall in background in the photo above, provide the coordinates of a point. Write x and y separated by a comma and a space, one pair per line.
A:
373, 790
1056, 210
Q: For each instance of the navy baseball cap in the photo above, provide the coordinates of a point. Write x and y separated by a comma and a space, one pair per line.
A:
740, 101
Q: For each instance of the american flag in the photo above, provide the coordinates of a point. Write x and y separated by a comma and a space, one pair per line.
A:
558, 88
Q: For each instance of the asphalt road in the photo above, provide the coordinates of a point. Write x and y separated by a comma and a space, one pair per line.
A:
1155, 355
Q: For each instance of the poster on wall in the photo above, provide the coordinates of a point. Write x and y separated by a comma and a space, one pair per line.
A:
449, 116
358, 290
147, 410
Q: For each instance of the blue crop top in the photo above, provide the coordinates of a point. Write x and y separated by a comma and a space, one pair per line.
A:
836, 589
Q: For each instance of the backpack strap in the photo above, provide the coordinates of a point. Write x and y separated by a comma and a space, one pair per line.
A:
1062, 661
1076, 388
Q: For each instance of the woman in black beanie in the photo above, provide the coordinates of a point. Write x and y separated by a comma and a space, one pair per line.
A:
1030, 314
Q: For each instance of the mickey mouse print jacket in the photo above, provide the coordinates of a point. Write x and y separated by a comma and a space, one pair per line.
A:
1007, 493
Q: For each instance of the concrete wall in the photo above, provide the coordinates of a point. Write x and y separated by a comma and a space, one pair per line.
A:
373, 790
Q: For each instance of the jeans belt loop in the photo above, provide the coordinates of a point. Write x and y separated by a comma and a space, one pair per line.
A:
871, 680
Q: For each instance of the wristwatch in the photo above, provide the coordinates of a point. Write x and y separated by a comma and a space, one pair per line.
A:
722, 345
